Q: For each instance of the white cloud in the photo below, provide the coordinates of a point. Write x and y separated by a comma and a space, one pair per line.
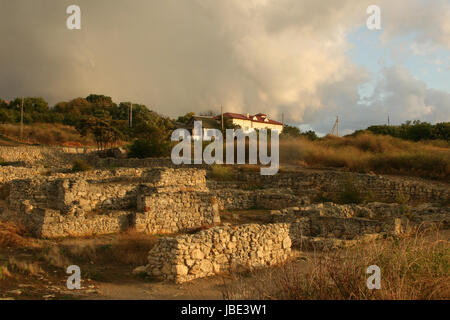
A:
397, 94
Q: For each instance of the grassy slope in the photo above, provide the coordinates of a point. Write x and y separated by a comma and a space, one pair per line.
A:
370, 153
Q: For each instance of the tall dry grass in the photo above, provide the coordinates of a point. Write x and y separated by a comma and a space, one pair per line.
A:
415, 268
46, 133
14, 235
128, 248
370, 153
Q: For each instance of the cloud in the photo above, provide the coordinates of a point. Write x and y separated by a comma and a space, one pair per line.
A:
272, 56
397, 95
427, 21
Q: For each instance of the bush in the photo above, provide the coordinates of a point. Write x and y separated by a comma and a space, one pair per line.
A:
350, 194
79, 165
146, 148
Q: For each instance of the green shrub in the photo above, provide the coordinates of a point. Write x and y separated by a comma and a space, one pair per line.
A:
350, 194
146, 148
222, 173
401, 198
79, 165
322, 197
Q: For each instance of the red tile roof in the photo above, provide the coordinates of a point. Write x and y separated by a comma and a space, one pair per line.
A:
260, 117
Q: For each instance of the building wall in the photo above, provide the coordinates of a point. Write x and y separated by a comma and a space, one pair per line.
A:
251, 125
246, 125
260, 125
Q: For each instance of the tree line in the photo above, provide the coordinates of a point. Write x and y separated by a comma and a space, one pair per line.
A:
413, 130
108, 122
96, 115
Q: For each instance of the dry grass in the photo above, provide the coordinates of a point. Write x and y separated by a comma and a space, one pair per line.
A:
370, 153
80, 165
14, 235
414, 268
133, 247
128, 248
46, 134
24, 266
4, 272
222, 173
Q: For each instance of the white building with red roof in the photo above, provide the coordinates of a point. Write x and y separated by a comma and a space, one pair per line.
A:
251, 122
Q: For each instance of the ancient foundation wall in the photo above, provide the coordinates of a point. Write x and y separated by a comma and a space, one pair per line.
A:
47, 223
295, 185
220, 249
159, 200
175, 211
82, 193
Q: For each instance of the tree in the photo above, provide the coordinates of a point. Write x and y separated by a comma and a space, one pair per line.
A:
311, 135
6, 116
290, 132
208, 113
105, 132
100, 100
152, 141
415, 130
186, 117
294, 132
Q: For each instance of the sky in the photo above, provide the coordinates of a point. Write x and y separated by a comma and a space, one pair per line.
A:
308, 60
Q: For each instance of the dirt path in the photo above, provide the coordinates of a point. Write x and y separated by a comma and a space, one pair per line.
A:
201, 289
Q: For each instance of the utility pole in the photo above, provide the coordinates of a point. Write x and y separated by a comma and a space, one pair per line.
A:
21, 121
337, 122
221, 115
336, 127
130, 115
388, 121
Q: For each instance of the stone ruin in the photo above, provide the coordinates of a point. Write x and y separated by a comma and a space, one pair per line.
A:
151, 196
154, 201
218, 250
310, 227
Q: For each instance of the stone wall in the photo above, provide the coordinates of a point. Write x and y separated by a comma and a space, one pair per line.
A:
99, 162
9, 173
175, 211
41, 156
313, 183
47, 223
237, 248
117, 189
217, 250
158, 200
332, 224
233, 199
